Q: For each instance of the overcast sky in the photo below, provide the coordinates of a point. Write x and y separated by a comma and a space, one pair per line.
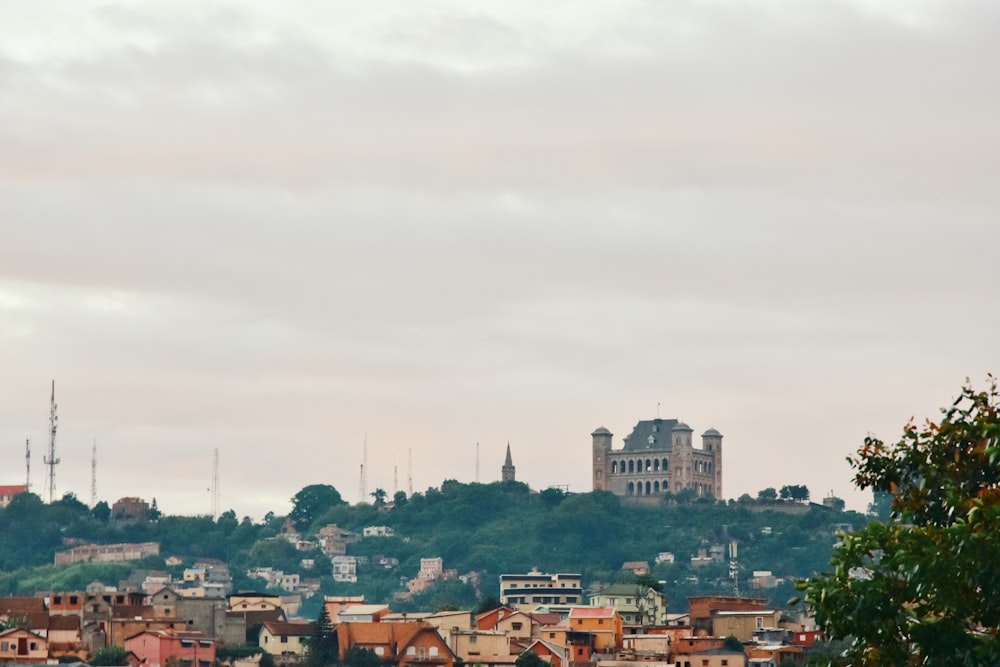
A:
278, 229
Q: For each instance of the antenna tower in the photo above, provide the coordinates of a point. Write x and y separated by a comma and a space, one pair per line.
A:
395, 480
409, 472
215, 486
93, 474
477, 463
362, 481
27, 464
51, 461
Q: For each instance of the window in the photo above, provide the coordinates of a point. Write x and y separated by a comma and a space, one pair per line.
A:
600, 621
421, 653
34, 646
725, 662
411, 650
73, 599
284, 639
379, 650
759, 621
515, 626
57, 599
4, 646
433, 651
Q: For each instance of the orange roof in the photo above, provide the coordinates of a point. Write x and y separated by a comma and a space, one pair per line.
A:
398, 635
591, 612
12, 489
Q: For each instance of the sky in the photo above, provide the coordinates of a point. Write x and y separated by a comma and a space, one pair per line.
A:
280, 231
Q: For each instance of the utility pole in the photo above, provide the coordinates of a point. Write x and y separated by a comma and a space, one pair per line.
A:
215, 486
27, 464
51, 460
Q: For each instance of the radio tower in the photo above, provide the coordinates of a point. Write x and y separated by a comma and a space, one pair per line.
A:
216, 498
409, 472
362, 482
93, 475
27, 464
51, 461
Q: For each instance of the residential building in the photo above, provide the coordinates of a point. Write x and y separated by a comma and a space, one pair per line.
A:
378, 531
479, 646
637, 605
156, 647
403, 644
285, 639
604, 625
345, 568
716, 658
333, 540
636, 567
657, 458
8, 491
24, 646
528, 591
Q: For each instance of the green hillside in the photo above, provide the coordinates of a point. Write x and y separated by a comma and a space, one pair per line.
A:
486, 529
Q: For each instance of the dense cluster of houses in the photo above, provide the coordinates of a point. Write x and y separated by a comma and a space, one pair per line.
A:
540, 613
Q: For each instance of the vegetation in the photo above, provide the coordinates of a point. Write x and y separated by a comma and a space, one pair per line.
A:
920, 588
486, 529
109, 655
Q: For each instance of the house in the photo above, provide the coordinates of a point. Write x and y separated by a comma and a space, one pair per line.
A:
156, 647
345, 568
23, 645
363, 613
637, 605
528, 591
557, 656
333, 540
401, 644
378, 531
480, 646
27, 612
743, 624
65, 637
715, 658
8, 491
335, 603
636, 567
285, 639
604, 625
702, 608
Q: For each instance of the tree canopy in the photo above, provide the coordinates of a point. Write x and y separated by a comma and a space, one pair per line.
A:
311, 502
921, 588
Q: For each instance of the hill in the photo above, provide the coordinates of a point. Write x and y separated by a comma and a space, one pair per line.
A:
478, 529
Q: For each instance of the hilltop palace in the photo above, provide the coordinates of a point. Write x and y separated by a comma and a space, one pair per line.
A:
658, 458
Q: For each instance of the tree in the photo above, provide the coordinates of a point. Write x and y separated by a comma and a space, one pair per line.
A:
767, 494
379, 495
399, 499
733, 643
797, 492
358, 656
312, 501
324, 646
531, 659
101, 511
109, 655
920, 588
154, 513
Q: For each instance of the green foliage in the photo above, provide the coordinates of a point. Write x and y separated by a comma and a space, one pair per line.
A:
324, 645
112, 656
531, 659
358, 656
732, 643
311, 502
767, 494
797, 492
920, 588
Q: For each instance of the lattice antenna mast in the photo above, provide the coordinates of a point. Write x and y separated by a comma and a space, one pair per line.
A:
395, 480
51, 460
409, 472
215, 486
93, 474
27, 464
477, 463
362, 481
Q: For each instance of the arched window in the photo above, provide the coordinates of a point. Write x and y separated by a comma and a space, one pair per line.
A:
614, 467
648, 488
638, 489
631, 488
666, 486
621, 466
664, 465
631, 465
649, 465
656, 487
656, 465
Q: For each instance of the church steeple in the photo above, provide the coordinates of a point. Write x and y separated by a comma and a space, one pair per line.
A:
507, 472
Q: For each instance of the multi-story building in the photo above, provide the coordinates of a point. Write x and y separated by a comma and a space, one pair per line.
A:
637, 605
658, 458
534, 589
